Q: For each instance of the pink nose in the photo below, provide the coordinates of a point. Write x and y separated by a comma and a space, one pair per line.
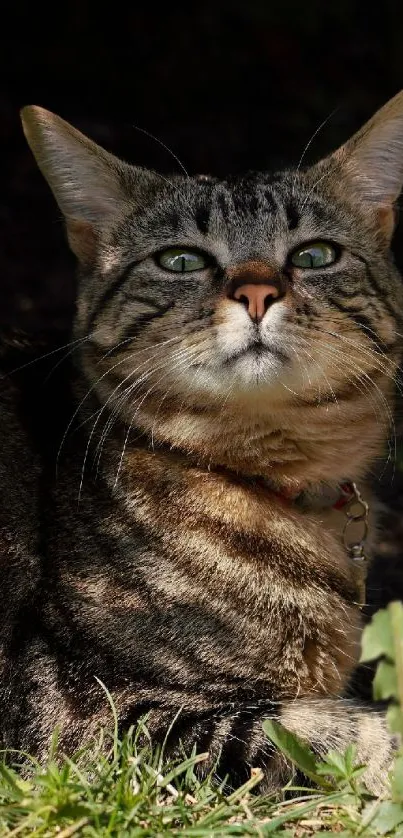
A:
256, 298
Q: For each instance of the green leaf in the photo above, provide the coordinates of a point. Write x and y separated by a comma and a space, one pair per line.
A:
397, 780
388, 816
394, 718
294, 749
342, 768
350, 758
396, 620
334, 763
17, 786
385, 681
377, 638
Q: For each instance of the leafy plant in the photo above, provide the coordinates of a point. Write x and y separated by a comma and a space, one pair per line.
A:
383, 639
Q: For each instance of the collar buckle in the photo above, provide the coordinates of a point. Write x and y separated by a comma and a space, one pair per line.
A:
354, 535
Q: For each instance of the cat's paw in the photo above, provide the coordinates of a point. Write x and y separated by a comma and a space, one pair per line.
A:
333, 724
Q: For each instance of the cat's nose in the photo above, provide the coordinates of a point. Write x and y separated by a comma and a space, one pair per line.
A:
256, 285
256, 298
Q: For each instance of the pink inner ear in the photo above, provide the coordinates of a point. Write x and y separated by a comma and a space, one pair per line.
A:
82, 240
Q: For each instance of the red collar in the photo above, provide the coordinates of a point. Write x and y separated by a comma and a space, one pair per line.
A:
347, 493
323, 496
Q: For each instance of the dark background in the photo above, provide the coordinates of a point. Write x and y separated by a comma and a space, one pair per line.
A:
228, 86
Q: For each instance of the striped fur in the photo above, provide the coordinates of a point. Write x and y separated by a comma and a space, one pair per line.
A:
164, 559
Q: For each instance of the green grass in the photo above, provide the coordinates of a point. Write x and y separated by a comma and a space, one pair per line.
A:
132, 792
127, 787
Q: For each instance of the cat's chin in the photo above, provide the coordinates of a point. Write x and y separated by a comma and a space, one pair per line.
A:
244, 373
252, 368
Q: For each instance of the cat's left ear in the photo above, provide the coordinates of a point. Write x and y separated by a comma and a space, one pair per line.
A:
92, 187
372, 161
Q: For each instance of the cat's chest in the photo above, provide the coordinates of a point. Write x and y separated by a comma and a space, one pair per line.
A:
200, 576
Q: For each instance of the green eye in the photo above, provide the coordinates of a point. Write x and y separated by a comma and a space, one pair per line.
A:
316, 255
179, 260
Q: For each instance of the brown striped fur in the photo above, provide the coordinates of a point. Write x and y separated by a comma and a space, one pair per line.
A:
165, 558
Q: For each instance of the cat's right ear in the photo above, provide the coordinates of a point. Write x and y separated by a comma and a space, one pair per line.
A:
371, 162
89, 184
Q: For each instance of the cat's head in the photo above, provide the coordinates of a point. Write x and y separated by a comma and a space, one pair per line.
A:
243, 296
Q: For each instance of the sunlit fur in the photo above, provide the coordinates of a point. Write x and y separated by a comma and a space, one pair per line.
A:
174, 568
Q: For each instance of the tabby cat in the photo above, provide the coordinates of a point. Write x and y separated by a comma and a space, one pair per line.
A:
165, 522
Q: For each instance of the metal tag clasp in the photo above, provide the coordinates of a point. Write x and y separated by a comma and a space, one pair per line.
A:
355, 533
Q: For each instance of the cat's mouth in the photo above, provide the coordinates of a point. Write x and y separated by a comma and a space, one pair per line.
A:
258, 351
239, 369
